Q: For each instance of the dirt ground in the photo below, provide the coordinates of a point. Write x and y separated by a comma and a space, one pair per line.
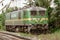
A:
52, 36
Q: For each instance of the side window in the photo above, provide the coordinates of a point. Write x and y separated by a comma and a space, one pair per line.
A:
42, 13
8, 16
33, 13
14, 15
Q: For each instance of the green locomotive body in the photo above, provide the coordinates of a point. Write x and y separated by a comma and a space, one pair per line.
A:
27, 19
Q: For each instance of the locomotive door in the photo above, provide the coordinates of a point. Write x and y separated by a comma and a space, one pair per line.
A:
26, 17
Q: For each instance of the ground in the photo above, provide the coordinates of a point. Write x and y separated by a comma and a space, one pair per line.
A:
51, 36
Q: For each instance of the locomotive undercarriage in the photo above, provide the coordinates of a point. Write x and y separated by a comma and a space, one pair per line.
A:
38, 28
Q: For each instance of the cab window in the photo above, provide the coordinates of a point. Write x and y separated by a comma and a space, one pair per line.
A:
33, 13
42, 13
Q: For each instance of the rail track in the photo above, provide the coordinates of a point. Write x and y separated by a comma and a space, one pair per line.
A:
7, 36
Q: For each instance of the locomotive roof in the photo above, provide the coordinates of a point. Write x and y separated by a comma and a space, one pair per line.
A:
31, 9
35, 8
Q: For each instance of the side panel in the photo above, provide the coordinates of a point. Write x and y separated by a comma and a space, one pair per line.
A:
14, 22
15, 19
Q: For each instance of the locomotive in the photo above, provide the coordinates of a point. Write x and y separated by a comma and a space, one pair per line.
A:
27, 20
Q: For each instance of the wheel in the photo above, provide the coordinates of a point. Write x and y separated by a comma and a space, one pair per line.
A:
16, 29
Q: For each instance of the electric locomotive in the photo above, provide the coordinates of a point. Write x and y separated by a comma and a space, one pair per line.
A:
27, 19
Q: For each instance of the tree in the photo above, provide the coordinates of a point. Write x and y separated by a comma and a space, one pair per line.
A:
43, 3
54, 16
2, 21
57, 15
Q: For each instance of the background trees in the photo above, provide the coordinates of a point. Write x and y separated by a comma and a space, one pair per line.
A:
57, 15
43, 3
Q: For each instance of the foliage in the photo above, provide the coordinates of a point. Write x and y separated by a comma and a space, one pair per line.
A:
43, 3
2, 20
55, 17
11, 9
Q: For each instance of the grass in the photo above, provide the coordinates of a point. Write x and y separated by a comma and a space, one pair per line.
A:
26, 35
2, 28
52, 36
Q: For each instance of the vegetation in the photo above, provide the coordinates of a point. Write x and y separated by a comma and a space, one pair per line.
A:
2, 20
43, 3
55, 16
53, 36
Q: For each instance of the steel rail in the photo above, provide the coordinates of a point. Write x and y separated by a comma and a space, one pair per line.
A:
15, 36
